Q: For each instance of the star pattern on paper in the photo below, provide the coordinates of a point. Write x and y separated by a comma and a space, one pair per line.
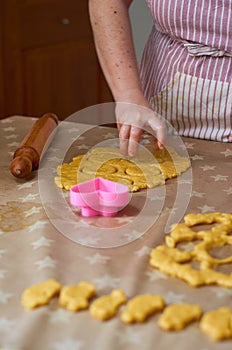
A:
129, 336
59, 315
174, 298
42, 242
83, 147
183, 181
68, 344
188, 145
54, 159
222, 292
6, 324
37, 225
13, 144
145, 250
227, 152
2, 251
228, 191
13, 136
208, 167
46, 262
97, 258
134, 234
124, 219
155, 275
206, 209
6, 121
33, 210
106, 281
197, 157
88, 241
197, 194
29, 197
4, 297
28, 184
109, 135
2, 273
9, 128
219, 177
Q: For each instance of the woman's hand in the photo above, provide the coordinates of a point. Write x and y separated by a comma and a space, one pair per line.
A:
132, 121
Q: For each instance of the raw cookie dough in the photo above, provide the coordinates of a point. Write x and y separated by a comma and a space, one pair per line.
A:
141, 307
175, 262
176, 317
217, 324
106, 306
146, 170
40, 294
77, 297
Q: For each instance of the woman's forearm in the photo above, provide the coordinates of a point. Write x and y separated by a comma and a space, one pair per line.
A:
114, 44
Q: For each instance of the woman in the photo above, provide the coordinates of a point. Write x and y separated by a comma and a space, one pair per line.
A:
186, 69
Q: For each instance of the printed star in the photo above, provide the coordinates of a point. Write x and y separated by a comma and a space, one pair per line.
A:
227, 152
129, 336
206, 209
83, 146
124, 219
54, 159
9, 128
33, 210
68, 344
143, 251
2, 273
59, 315
2, 251
106, 281
222, 293
46, 262
37, 225
197, 194
97, 258
133, 235
11, 154
4, 297
6, 120
29, 197
6, 324
219, 177
155, 275
228, 191
196, 157
42, 242
13, 144
73, 130
173, 298
188, 145
183, 182
109, 135
26, 185
88, 241
208, 167
11, 137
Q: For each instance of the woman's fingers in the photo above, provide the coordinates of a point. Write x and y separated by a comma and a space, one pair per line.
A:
160, 130
135, 135
124, 135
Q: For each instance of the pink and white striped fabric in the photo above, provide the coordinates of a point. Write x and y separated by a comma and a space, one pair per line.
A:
186, 68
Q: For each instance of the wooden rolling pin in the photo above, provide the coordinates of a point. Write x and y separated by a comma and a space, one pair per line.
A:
27, 156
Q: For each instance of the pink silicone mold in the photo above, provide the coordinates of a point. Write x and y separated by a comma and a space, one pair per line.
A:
99, 197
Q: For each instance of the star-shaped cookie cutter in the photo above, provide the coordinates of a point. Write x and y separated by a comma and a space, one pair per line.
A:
99, 197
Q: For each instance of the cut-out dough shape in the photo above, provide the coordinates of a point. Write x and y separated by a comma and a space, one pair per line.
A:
172, 261
143, 171
40, 294
77, 297
217, 324
106, 306
177, 316
141, 307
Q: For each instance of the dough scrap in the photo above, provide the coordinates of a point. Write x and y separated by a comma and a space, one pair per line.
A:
106, 307
139, 308
177, 263
77, 297
177, 316
217, 324
146, 170
40, 294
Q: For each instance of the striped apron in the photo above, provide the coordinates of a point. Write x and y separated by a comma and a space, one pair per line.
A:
186, 67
